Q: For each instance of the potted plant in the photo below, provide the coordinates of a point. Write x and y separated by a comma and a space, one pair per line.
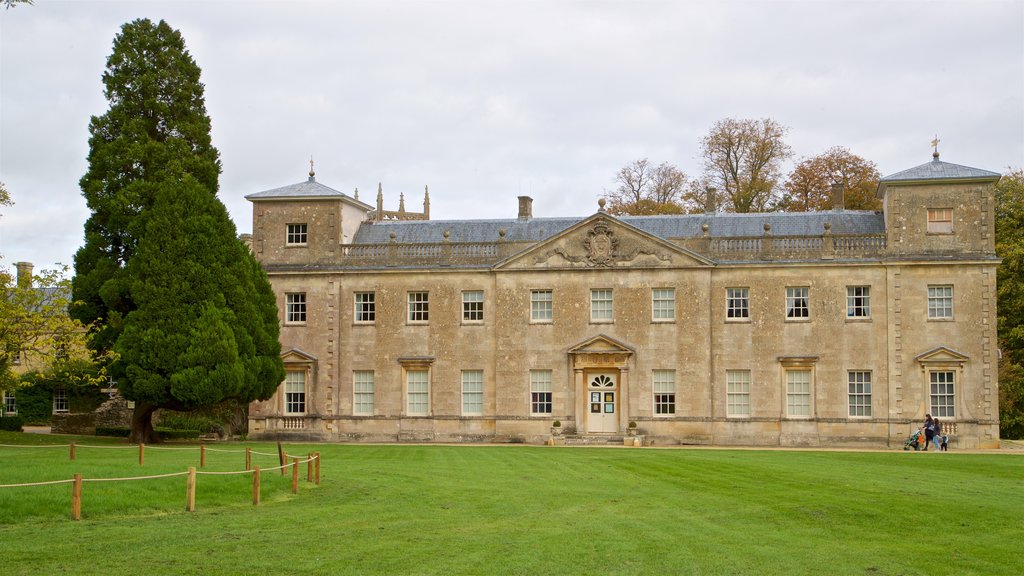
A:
632, 429
556, 428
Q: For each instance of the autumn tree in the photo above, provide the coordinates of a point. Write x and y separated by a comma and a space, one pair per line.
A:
809, 185
152, 145
1009, 219
645, 189
743, 159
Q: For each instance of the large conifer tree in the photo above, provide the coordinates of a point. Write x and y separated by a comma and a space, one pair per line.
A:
175, 293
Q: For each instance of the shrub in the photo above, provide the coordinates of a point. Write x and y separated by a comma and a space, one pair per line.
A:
115, 431
11, 423
169, 434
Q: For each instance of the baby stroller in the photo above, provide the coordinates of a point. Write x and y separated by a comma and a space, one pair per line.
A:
915, 442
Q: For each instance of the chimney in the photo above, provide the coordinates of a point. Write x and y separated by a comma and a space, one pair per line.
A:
838, 197
525, 207
710, 200
24, 274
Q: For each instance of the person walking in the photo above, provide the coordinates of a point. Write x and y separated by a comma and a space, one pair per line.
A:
937, 433
929, 430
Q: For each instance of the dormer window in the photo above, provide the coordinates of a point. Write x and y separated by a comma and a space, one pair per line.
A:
296, 235
940, 220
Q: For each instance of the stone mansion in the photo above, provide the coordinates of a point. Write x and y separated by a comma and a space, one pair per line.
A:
833, 328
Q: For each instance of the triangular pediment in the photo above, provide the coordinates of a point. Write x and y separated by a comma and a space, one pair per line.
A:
941, 355
603, 241
295, 355
601, 344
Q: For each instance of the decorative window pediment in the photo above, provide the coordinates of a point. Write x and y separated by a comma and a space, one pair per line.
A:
297, 356
941, 357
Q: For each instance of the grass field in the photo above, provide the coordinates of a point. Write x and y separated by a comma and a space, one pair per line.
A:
414, 509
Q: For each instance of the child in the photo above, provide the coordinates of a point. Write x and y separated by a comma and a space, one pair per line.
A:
945, 443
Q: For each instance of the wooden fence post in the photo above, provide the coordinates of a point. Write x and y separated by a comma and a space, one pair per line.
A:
190, 490
295, 476
76, 498
317, 468
256, 485
202, 455
309, 467
281, 461
142, 453
72, 453
248, 458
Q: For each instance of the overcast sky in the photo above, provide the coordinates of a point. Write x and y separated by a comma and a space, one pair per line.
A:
485, 101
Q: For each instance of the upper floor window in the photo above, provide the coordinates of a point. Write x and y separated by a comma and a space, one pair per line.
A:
858, 301
473, 306
601, 305
541, 309
796, 302
473, 392
737, 303
540, 391
940, 302
366, 307
295, 392
940, 220
295, 308
663, 384
663, 304
419, 306
296, 235
362, 388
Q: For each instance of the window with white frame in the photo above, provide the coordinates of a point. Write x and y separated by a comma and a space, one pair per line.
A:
473, 392
60, 400
859, 385
737, 392
858, 301
541, 309
797, 306
10, 403
366, 307
295, 392
419, 306
940, 220
362, 388
940, 302
942, 393
296, 235
798, 393
737, 303
473, 306
540, 391
663, 304
601, 305
295, 308
417, 393
663, 384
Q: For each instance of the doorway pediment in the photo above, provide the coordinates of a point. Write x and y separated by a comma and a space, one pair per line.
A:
600, 350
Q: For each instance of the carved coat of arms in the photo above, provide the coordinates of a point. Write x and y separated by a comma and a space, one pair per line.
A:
601, 245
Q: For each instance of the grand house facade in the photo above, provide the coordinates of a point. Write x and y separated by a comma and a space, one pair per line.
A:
837, 328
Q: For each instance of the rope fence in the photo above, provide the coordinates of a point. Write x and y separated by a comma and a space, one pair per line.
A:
312, 462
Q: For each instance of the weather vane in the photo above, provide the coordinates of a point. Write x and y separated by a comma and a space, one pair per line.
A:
935, 146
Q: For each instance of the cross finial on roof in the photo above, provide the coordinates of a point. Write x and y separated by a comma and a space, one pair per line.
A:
312, 174
935, 145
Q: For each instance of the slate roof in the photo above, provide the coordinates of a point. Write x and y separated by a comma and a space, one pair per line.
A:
939, 170
308, 189
665, 227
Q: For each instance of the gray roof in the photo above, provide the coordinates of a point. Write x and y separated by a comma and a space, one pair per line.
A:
304, 190
665, 227
938, 170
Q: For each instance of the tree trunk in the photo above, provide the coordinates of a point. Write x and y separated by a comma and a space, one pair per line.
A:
142, 424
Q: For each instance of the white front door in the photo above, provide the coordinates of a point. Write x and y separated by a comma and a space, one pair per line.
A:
603, 405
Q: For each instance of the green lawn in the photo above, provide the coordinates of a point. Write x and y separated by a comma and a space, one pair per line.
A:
414, 509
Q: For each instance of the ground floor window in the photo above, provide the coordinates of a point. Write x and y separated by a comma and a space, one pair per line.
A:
60, 400
540, 391
798, 393
737, 392
10, 404
418, 393
663, 382
473, 392
362, 386
942, 393
295, 392
859, 386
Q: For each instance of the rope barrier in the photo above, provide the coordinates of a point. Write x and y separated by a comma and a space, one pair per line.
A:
36, 446
36, 483
134, 477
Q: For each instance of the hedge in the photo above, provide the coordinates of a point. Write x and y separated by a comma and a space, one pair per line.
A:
11, 423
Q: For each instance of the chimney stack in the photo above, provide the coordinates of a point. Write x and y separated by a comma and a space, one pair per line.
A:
24, 274
838, 197
710, 200
525, 207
